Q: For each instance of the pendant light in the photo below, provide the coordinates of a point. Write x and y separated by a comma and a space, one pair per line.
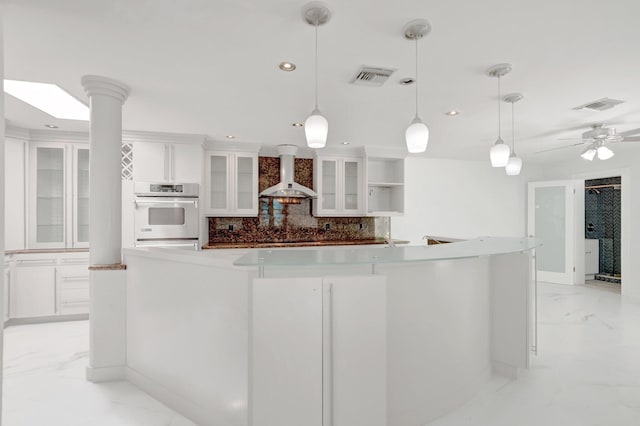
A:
316, 126
499, 153
514, 165
417, 134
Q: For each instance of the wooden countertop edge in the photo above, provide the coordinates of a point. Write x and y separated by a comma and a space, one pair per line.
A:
113, 267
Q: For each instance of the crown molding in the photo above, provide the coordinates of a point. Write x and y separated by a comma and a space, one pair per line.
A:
216, 145
133, 136
15, 132
36, 135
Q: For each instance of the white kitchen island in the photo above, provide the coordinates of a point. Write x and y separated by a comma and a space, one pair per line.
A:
353, 336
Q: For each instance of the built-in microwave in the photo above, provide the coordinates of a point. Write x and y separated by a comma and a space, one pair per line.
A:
165, 212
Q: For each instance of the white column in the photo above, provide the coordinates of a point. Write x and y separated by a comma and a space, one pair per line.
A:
107, 277
106, 97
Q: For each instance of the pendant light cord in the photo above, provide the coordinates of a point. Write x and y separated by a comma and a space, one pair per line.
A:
417, 78
499, 102
316, 65
513, 128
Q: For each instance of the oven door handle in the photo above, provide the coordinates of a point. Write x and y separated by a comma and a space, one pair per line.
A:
164, 202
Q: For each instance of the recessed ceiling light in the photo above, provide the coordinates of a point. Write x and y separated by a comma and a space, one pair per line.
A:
287, 66
230, 137
49, 98
51, 126
452, 113
407, 81
346, 143
297, 124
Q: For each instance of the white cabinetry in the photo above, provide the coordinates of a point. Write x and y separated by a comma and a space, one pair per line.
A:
591, 257
231, 183
14, 194
167, 162
58, 195
319, 350
339, 182
33, 292
48, 285
385, 186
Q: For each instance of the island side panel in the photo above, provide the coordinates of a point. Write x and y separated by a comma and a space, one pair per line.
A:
438, 336
511, 284
187, 337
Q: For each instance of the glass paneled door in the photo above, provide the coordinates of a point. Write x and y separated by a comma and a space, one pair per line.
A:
48, 186
553, 221
58, 195
81, 197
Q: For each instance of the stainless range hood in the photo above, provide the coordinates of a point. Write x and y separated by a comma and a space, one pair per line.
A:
287, 188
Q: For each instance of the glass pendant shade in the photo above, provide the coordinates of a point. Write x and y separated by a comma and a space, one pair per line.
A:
417, 136
604, 153
499, 154
316, 128
588, 154
514, 165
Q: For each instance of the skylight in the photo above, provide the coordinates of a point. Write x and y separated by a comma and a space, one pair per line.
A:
49, 98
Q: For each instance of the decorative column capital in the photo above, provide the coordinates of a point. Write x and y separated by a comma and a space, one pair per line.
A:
97, 85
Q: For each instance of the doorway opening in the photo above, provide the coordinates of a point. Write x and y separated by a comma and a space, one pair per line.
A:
603, 232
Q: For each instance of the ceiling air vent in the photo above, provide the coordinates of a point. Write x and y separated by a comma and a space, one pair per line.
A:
600, 104
372, 76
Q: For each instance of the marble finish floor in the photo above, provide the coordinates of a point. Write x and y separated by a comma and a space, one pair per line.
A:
587, 373
44, 383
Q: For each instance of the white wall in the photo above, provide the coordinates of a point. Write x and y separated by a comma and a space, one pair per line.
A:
459, 199
626, 163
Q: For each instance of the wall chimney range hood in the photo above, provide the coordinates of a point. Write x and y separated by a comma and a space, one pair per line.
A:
287, 191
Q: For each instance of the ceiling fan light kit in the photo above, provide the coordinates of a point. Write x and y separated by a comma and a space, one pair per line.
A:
316, 126
499, 153
589, 153
417, 134
604, 153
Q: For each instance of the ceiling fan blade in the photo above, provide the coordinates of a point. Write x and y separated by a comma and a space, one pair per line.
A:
573, 139
630, 133
560, 147
632, 139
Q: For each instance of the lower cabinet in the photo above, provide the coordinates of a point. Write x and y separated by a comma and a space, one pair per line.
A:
7, 283
46, 285
33, 292
318, 351
72, 287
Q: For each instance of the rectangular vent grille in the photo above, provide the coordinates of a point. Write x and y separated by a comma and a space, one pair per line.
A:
600, 104
372, 76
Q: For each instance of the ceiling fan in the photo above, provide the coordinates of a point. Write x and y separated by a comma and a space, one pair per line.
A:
597, 139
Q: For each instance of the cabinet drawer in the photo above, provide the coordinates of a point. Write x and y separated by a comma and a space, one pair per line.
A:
74, 295
71, 308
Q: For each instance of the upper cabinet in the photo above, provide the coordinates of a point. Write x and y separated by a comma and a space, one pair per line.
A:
167, 162
385, 186
58, 195
231, 183
339, 182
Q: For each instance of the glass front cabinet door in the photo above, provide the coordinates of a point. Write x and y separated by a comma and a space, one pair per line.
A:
58, 195
231, 184
339, 183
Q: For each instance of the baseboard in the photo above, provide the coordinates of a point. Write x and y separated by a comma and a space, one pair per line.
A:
505, 370
176, 402
106, 374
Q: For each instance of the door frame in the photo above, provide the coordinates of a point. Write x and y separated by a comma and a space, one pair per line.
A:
625, 206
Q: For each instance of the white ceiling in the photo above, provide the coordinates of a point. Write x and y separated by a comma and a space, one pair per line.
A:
211, 67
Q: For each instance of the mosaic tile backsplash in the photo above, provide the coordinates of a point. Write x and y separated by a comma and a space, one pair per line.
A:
603, 221
291, 223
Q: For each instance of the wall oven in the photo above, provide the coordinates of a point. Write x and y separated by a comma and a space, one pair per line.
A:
166, 215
